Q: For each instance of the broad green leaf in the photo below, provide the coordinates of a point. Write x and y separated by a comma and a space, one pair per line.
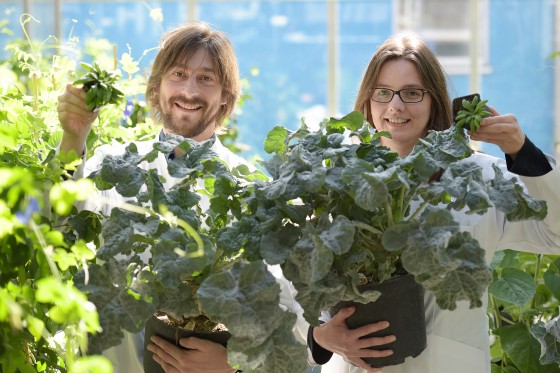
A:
36, 327
82, 251
8, 136
16, 362
64, 259
523, 349
69, 304
55, 238
275, 141
514, 286
552, 280
352, 121
505, 259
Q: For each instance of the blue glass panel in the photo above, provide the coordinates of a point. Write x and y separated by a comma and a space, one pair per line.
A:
287, 43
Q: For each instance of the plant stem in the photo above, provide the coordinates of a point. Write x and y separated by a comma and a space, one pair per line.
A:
367, 227
114, 56
498, 317
418, 210
27, 353
536, 278
43, 243
23, 20
191, 231
400, 203
70, 339
390, 218
496, 312
35, 93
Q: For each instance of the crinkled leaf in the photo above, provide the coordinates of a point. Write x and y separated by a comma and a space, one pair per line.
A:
192, 164
275, 246
118, 234
368, 189
314, 254
510, 198
444, 147
338, 236
317, 297
548, 335
87, 224
172, 266
244, 298
449, 263
118, 309
312, 181
121, 171
272, 166
280, 352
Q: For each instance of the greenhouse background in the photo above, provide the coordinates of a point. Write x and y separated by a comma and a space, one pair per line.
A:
298, 59
304, 58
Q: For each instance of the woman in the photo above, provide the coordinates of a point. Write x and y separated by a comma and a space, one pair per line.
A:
404, 92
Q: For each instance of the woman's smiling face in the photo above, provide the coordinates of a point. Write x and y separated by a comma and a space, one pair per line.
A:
406, 122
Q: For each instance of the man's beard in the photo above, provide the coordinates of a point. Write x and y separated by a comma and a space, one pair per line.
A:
182, 126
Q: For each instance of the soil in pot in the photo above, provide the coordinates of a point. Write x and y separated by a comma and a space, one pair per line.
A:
401, 304
173, 331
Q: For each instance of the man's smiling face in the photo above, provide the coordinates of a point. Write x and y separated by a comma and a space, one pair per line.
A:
190, 97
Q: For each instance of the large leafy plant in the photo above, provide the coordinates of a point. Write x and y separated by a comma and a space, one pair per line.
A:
188, 274
338, 213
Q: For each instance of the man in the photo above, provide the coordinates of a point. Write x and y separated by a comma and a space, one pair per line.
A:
193, 87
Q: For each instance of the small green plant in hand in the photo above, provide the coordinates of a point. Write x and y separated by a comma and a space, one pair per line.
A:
100, 86
472, 113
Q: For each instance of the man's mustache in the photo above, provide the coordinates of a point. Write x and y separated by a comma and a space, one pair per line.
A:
188, 101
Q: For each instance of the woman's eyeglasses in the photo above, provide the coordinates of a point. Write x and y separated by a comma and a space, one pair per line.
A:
407, 95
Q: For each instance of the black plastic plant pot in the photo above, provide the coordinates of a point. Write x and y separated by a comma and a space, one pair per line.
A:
401, 304
171, 333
